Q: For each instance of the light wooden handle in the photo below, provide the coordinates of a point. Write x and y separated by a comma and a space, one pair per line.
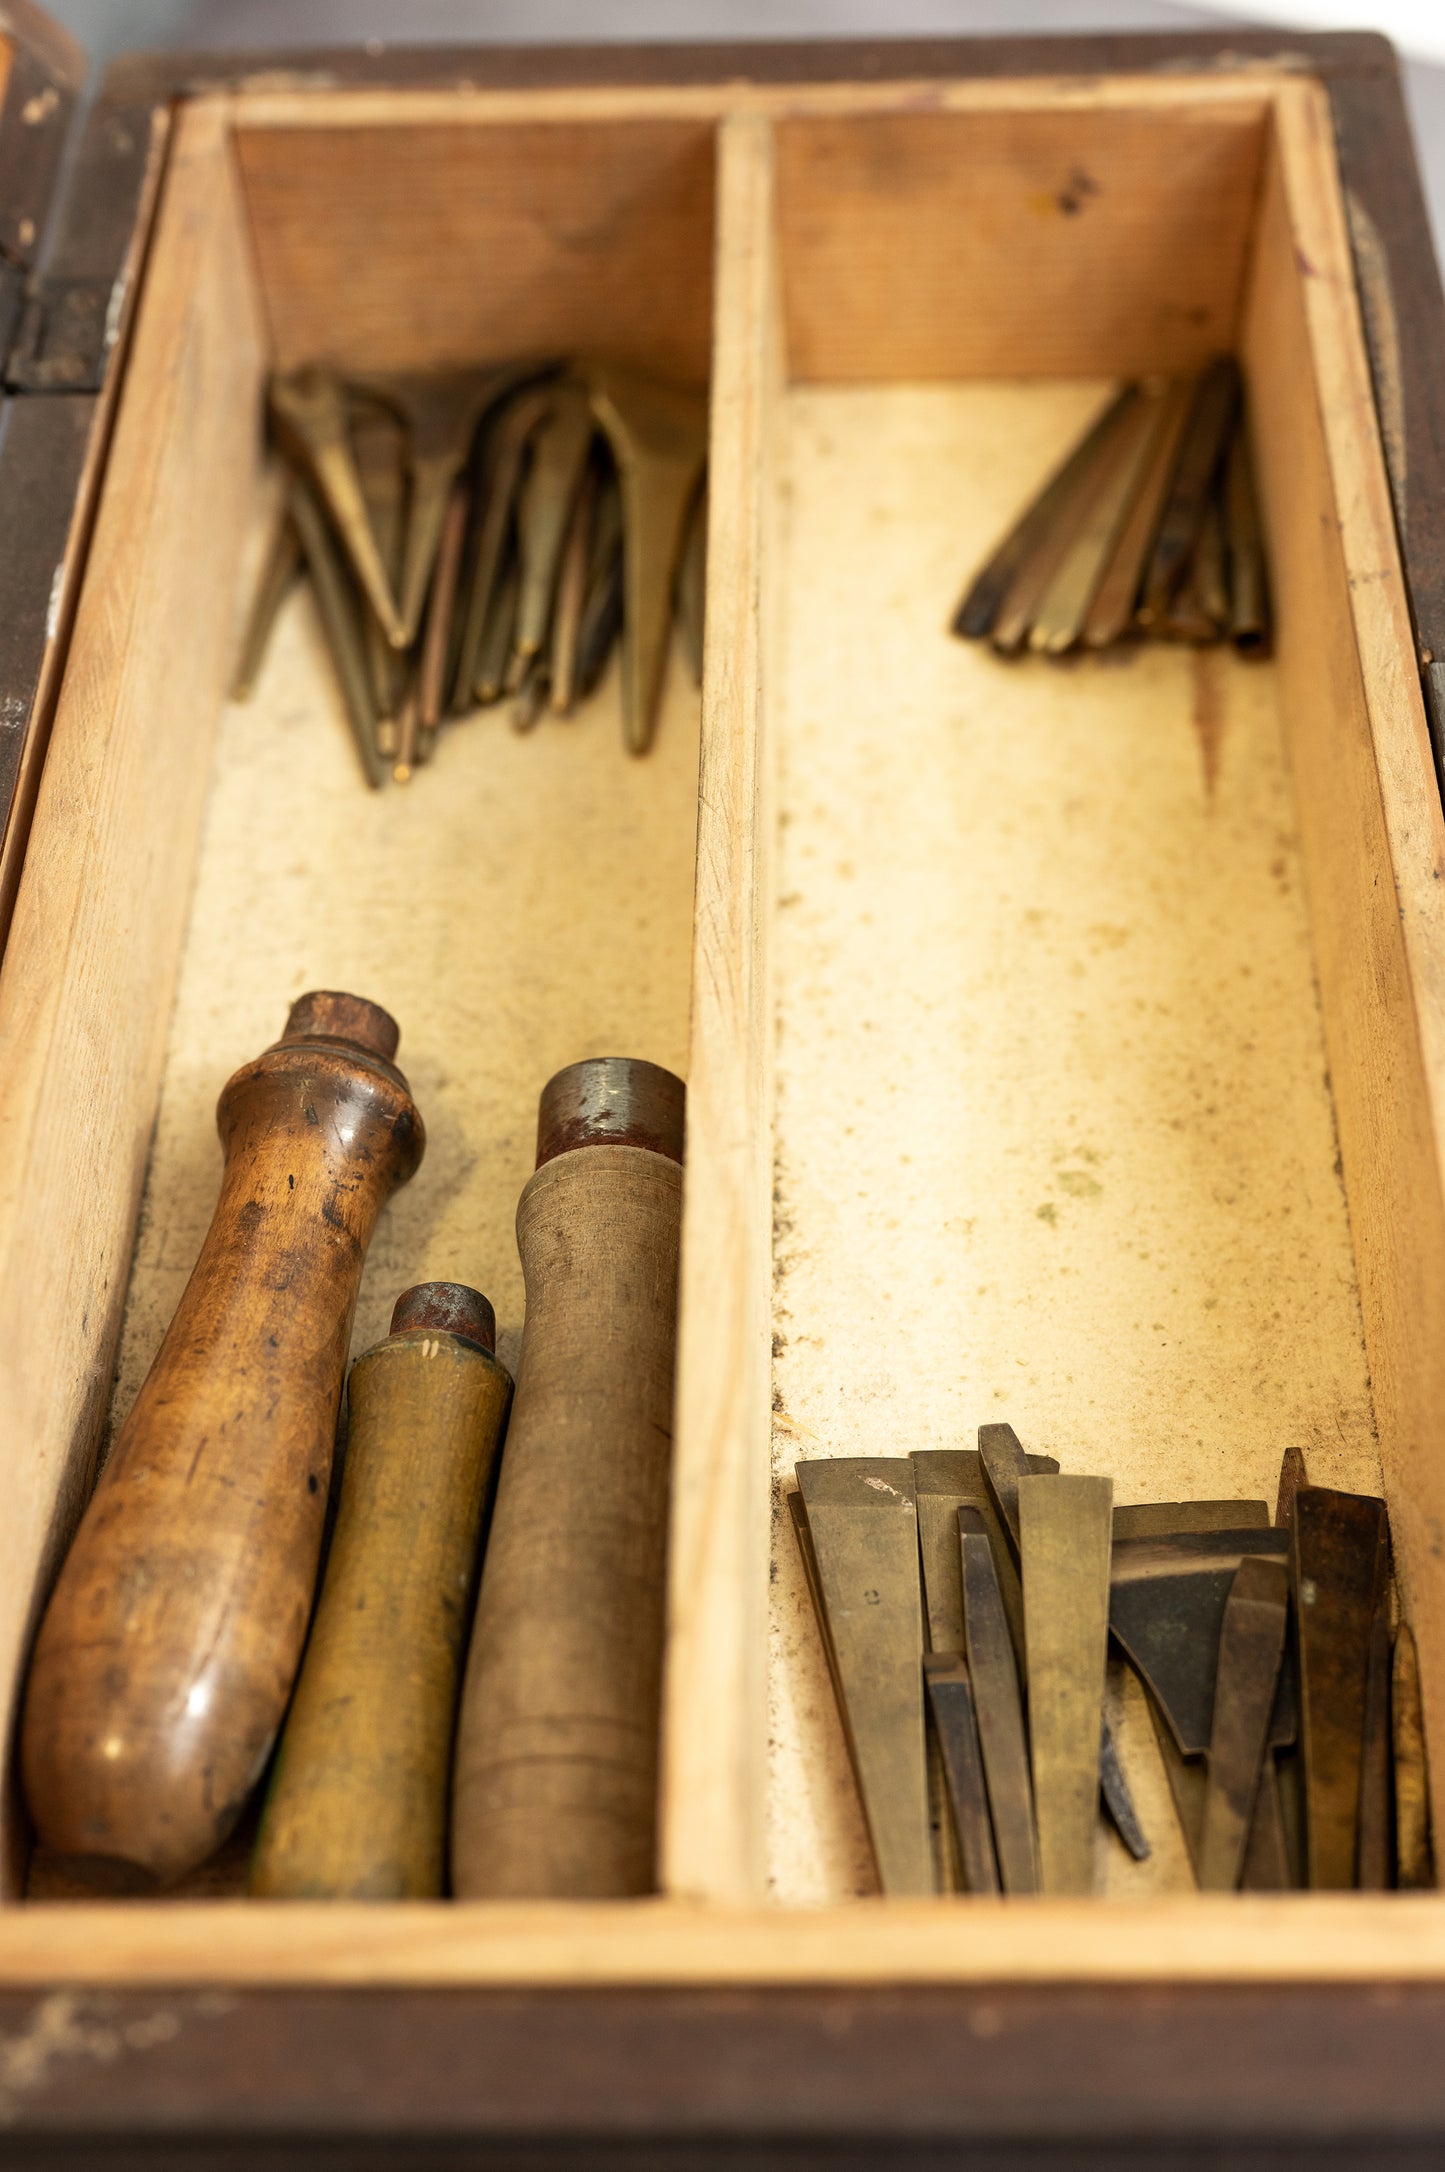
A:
172, 1637
358, 1802
556, 1763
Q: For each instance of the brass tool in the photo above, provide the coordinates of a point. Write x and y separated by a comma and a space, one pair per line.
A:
975, 616
1111, 613
1064, 1540
658, 435
1031, 583
1165, 1519
1206, 437
692, 583
1340, 1566
172, 1638
310, 411
432, 669
1251, 1647
864, 1531
441, 412
1414, 1869
1292, 1476
545, 509
950, 1698
1374, 1848
496, 647
998, 1707
944, 1480
339, 619
357, 1804
555, 1784
280, 564
1064, 606
406, 734
380, 454
602, 604
1249, 623
1166, 1609
529, 695
1118, 1800
504, 450
797, 1511
571, 591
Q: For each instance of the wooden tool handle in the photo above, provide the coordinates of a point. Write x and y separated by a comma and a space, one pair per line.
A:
556, 1764
171, 1640
357, 1807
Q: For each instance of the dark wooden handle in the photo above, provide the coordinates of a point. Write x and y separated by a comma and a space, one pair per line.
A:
168, 1650
357, 1807
556, 1761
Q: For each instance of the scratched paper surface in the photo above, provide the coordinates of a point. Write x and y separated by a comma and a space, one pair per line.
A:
1055, 1142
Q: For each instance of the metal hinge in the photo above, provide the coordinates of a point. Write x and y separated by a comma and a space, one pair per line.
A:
66, 330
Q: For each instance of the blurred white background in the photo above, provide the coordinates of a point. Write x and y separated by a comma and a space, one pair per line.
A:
106, 27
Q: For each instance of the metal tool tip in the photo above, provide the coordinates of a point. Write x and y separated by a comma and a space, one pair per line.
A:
611, 1101
327, 1015
449, 1308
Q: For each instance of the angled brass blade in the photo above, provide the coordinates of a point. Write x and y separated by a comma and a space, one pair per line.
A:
379, 450
998, 1709
975, 616
1249, 625
692, 583
1064, 606
1414, 1867
1163, 1519
504, 450
432, 669
1201, 450
1114, 1788
406, 732
496, 647
658, 435
1064, 1541
1340, 1563
864, 1528
529, 693
571, 594
1005, 1462
950, 1699
1111, 613
1166, 1608
1374, 1847
309, 409
602, 606
340, 622
1251, 1647
1292, 1475
944, 1480
1031, 583
280, 565
545, 508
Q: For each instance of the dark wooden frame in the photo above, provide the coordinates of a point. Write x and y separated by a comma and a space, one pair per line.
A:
1244, 2077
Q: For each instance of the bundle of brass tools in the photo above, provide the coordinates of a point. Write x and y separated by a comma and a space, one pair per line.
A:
1151, 526
967, 1601
172, 1638
357, 1804
486, 535
556, 1767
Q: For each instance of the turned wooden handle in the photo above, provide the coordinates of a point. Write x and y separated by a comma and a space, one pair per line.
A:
358, 1801
172, 1637
556, 1761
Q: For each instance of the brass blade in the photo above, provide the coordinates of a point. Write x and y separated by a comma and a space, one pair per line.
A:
1118, 1800
998, 1709
601, 618
1162, 1519
944, 1480
1031, 583
571, 593
432, 670
950, 1699
1064, 606
340, 623
1111, 614
1201, 450
1251, 1647
975, 616
864, 1528
1167, 1599
503, 454
658, 435
310, 413
1266, 1853
1249, 619
379, 451
1292, 1475
545, 508
1064, 1540
1414, 1867
1340, 1562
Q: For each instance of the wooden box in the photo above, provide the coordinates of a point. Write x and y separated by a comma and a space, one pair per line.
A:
1062, 1045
